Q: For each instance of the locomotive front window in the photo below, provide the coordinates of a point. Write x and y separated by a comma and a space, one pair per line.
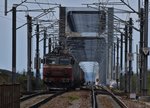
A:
64, 61
50, 61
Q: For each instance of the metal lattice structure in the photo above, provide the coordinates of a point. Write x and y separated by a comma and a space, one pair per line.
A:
88, 36
89, 49
87, 21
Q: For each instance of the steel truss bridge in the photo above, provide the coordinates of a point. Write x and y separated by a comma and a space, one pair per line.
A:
88, 35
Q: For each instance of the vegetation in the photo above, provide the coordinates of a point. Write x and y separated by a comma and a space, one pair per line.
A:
22, 79
134, 80
5, 78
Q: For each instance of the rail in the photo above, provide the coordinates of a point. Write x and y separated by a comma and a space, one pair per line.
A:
93, 97
36, 105
120, 102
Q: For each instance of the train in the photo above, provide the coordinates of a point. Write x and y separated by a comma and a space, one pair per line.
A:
62, 71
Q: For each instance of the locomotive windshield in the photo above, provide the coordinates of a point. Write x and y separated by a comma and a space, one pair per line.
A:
59, 60
51, 61
64, 61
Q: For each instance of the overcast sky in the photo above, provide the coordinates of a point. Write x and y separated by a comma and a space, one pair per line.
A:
6, 30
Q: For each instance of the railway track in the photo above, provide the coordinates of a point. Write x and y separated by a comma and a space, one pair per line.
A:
38, 99
103, 98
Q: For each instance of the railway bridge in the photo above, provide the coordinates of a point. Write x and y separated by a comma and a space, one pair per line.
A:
87, 34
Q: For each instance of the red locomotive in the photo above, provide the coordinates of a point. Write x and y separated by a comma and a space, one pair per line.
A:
61, 71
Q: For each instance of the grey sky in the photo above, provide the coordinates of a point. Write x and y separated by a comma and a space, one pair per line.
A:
6, 31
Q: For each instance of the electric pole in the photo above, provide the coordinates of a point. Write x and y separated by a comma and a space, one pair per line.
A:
121, 51
141, 48
49, 45
130, 55
121, 61
14, 44
145, 46
37, 57
44, 42
29, 50
125, 56
117, 70
114, 60
137, 69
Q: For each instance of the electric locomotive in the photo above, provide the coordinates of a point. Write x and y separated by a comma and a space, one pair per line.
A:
61, 71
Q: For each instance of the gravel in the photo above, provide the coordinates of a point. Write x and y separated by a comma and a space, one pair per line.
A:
134, 103
106, 101
82, 99
74, 99
29, 102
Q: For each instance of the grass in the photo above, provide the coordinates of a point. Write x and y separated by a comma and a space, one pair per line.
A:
72, 98
4, 78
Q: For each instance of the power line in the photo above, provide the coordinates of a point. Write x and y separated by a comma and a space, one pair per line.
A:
43, 3
40, 7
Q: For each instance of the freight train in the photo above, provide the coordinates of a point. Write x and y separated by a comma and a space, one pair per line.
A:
61, 71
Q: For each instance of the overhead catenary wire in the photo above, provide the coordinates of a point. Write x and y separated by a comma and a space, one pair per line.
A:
115, 17
43, 3
40, 7
46, 12
129, 6
125, 22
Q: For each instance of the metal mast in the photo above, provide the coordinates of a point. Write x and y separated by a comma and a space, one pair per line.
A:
44, 42
117, 70
130, 54
145, 46
37, 57
126, 52
14, 44
29, 56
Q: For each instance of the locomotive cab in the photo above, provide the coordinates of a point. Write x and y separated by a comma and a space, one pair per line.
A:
57, 72
61, 71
